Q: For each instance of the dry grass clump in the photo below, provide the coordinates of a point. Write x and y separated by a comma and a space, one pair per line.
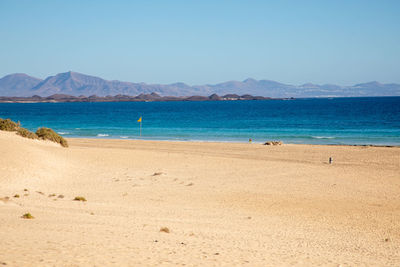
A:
48, 134
52, 195
60, 196
9, 125
41, 133
26, 133
164, 230
16, 196
80, 199
27, 216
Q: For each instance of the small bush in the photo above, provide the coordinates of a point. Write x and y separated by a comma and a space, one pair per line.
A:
41, 133
27, 216
26, 133
49, 134
9, 125
16, 196
80, 199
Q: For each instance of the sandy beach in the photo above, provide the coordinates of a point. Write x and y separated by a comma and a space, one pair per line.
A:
220, 204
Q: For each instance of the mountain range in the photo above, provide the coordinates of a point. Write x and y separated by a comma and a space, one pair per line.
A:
78, 84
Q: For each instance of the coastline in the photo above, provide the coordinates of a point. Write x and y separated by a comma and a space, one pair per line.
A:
153, 97
222, 203
223, 142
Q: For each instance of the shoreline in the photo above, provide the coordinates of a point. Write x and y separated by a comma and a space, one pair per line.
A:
227, 142
153, 97
75, 99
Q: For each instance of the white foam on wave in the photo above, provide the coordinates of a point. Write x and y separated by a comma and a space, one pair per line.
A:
124, 137
102, 135
63, 132
323, 137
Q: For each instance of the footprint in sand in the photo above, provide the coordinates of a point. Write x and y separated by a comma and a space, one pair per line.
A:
5, 199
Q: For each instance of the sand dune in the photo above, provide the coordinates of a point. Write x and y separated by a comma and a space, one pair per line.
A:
224, 204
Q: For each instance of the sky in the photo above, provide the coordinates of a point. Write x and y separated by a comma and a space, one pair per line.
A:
203, 42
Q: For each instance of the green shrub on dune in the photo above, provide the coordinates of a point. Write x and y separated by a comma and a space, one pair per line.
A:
9, 125
48, 134
26, 133
41, 133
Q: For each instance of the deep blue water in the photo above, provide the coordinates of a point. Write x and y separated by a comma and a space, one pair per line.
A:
309, 121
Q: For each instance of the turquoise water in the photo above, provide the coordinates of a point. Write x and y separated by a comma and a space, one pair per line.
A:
306, 121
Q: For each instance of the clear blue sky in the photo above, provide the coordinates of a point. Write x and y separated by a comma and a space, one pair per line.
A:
197, 42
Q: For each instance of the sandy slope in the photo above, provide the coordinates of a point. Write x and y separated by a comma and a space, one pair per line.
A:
225, 204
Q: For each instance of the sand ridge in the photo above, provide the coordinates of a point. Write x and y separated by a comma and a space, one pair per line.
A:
225, 204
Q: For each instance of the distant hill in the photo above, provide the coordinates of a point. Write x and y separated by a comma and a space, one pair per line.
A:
77, 84
17, 84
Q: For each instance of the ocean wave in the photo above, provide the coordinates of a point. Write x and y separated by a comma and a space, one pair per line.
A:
63, 132
124, 137
102, 135
323, 137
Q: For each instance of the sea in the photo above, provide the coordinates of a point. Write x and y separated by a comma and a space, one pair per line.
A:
350, 121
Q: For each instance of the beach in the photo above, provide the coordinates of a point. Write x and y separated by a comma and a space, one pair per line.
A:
165, 203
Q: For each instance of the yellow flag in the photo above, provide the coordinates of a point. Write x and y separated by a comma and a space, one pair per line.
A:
140, 119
